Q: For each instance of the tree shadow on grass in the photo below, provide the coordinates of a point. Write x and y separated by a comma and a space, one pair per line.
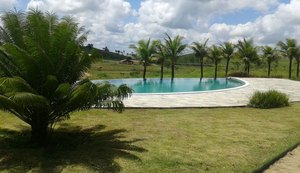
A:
91, 149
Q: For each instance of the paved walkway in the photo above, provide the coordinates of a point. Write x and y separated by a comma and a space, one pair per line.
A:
288, 164
227, 98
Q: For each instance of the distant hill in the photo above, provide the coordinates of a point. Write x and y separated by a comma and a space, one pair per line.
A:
106, 54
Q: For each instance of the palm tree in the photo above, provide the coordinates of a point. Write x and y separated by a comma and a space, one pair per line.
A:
297, 57
270, 54
161, 55
248, 52
41, 68
215, 54
289, 49
174, 47
228, 52
144, 50
200, 51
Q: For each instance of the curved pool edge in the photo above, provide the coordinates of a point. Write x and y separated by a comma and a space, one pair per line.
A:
218, 99
198, 92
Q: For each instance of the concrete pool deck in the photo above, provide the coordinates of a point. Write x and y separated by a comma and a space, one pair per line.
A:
223, 98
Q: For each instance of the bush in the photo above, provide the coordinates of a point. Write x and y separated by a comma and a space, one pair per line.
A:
239, 74
269, 99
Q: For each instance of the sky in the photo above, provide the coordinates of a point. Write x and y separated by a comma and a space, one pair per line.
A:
119, 23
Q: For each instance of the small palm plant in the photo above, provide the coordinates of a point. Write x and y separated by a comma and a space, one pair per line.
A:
145, 49
200, 50
174, 47
228, 52
289, 49
270, 55
215, 54
41, 65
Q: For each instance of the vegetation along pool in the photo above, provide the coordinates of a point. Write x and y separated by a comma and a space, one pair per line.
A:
178, 85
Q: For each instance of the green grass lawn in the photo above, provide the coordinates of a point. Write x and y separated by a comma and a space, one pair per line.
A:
154, 140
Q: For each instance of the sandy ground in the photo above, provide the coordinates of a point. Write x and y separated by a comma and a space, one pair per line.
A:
288, 164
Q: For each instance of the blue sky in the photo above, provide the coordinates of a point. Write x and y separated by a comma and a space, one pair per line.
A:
118, 23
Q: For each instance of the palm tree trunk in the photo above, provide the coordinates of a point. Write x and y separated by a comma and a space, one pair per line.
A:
144, 73
173, 70
216, 70
162, 70
298, 63
248, 71
39, 133
201, 68
227, 64
290, 68
269, 68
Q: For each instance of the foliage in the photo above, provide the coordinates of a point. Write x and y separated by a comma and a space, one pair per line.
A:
247, 51
289, 50
239, 74
145, 50
42, 62
200, 50
269, 99
270, 55
228, 52
161, 54
174, 47
215, 55
297, 58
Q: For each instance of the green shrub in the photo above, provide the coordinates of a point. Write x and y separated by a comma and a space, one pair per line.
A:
239, 74
268, 99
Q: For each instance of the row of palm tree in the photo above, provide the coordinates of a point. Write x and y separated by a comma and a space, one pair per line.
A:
172, 48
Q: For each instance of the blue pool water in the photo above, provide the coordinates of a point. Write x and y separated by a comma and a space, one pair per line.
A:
155, 85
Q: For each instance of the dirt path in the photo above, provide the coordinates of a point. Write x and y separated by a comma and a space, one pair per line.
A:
288, 164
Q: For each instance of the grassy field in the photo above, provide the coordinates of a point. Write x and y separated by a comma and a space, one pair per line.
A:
113, 69
154, 140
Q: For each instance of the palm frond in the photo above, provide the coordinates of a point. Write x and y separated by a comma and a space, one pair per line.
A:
14, 84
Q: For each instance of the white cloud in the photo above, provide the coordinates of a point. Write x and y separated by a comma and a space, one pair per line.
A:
184, 13
7, 4
269, 29
104, 18
114, 23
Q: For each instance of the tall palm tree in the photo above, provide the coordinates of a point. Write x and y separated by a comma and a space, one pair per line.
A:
144, 50
270, 55
228, 52
41, 69
289, 49
174, 47
297, 57
215, 55
200, 50
162, 56
248, 52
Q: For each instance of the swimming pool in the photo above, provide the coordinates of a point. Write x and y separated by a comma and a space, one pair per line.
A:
178, 85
